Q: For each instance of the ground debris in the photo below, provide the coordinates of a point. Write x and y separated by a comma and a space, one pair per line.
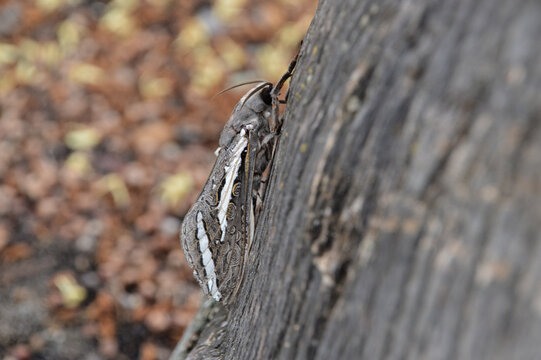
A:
107, 135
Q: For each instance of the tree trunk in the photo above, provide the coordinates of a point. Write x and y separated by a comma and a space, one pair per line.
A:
402, 216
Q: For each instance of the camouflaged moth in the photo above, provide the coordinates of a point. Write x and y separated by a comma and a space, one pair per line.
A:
218, 230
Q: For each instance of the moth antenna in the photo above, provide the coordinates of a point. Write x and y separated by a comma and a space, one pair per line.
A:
236, 86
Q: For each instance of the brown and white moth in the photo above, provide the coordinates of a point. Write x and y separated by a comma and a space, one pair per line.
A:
218, 229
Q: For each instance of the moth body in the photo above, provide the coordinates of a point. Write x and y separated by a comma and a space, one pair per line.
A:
218, 229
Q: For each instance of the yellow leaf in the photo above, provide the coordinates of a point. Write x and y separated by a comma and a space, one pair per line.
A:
208, 71
87, 74
52, 5
228, 9
175, 187
291, 34
155, 87
49, 5
26, 72
8, 53
72, 293
194, 34
272, 61
116, 186
118, 21
82, 139
78, 163
232, 54
69, 34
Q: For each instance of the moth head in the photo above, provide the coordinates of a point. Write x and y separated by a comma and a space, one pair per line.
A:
258, 99
255, 106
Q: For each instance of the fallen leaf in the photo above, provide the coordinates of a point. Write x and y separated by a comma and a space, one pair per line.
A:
115, 185
72, 293
175, 187
82, 139
87, 74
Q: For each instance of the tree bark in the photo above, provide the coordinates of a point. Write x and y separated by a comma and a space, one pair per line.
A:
402, 215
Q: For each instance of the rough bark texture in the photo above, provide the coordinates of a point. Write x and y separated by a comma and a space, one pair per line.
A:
402, 218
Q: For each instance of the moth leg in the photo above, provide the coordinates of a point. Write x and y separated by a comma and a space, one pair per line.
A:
265, 143
258, 193
286, 97
258, 201
275, 93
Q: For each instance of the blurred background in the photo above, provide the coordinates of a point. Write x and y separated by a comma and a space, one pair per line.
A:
107, 133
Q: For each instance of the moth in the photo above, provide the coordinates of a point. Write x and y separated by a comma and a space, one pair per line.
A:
218, 230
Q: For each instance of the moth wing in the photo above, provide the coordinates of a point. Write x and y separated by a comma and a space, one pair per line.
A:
239, 231
200, 229
218, 229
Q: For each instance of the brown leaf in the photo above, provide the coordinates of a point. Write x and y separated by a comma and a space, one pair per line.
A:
158, 320
148, 138
17, 252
